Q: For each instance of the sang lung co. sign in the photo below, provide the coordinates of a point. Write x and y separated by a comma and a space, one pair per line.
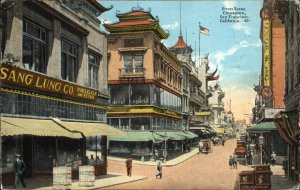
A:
16, 76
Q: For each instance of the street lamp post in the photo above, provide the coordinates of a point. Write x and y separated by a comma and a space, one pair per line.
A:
261, 142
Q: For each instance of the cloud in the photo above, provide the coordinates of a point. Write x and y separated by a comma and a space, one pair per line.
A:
170, 26
240, 26
242, 99
221, 55
229, 4
105, 21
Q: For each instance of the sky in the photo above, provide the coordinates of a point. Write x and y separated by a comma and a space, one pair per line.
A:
234, 47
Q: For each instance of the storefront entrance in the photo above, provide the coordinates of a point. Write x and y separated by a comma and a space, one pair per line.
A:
27, 154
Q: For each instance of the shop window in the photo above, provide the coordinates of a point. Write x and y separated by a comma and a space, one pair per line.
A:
133, 42
69, 153
140, 123
124, 123
94, 62
133, 63
69, 61
114, 122
34, 47
44, 153
119, 94
140, 94
10, 147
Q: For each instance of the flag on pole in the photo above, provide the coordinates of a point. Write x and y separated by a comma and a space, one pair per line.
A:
204, 30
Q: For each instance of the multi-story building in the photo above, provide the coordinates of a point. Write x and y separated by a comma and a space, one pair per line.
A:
287, 122
145, 81
193, 98
218, 107
54, 88
270, 91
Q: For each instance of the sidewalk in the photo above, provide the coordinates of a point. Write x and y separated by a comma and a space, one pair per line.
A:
101, 181
278, 180
169, 163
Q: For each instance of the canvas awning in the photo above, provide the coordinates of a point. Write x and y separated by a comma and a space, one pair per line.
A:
90, 128
189, 134
263, 127
11, 126
138, 136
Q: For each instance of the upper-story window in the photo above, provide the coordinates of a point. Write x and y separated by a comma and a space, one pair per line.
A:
133, 63
94, 62
133, 42
34, 47
69, 60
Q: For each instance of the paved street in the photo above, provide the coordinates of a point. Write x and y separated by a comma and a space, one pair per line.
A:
203, 171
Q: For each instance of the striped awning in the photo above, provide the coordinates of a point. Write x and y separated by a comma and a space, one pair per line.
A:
11, 126
90, 128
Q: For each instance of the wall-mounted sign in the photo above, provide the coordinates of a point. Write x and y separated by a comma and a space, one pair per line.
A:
266, 92
266, 53
19, 77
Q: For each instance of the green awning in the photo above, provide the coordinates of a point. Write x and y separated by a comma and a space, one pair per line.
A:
263, 127
191, 135
156, 136
137, 136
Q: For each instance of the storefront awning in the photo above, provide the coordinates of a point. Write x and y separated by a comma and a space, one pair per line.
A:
138, 136
90, 128
189, 134
263, 127
11, 126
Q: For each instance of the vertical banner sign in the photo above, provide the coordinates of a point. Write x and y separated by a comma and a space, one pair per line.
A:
266, 53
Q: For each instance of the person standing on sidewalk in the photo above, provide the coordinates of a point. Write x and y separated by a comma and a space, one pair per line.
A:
230, 162
235, 161
273, 158
159, 170
19, 168
129, 165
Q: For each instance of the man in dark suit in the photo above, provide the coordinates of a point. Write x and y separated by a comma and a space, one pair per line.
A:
19, 169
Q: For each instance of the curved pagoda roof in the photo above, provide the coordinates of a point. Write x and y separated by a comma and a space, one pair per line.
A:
181, 44
137, 20
211, 76
97, 5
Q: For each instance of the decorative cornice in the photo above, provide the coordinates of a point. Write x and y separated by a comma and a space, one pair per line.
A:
133, 28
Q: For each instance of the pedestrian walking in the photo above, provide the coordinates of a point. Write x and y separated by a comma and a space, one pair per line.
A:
129, 165
273, 158
235, 161
230, 162
19, 169
200, 146
223, 141
159, 170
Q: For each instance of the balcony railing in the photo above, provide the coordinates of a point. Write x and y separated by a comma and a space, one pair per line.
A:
196, 98
132, 73
160, 75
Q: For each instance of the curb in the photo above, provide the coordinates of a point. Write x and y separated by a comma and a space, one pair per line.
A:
149, 163
142, 178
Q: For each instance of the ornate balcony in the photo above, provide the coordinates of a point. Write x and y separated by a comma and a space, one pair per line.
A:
161, 76
132, 73
196, 98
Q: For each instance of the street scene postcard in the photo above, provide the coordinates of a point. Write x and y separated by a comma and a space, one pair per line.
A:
149, 94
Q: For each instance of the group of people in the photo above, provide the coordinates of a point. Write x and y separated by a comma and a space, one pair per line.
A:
91, 161
128, 163
233, 161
